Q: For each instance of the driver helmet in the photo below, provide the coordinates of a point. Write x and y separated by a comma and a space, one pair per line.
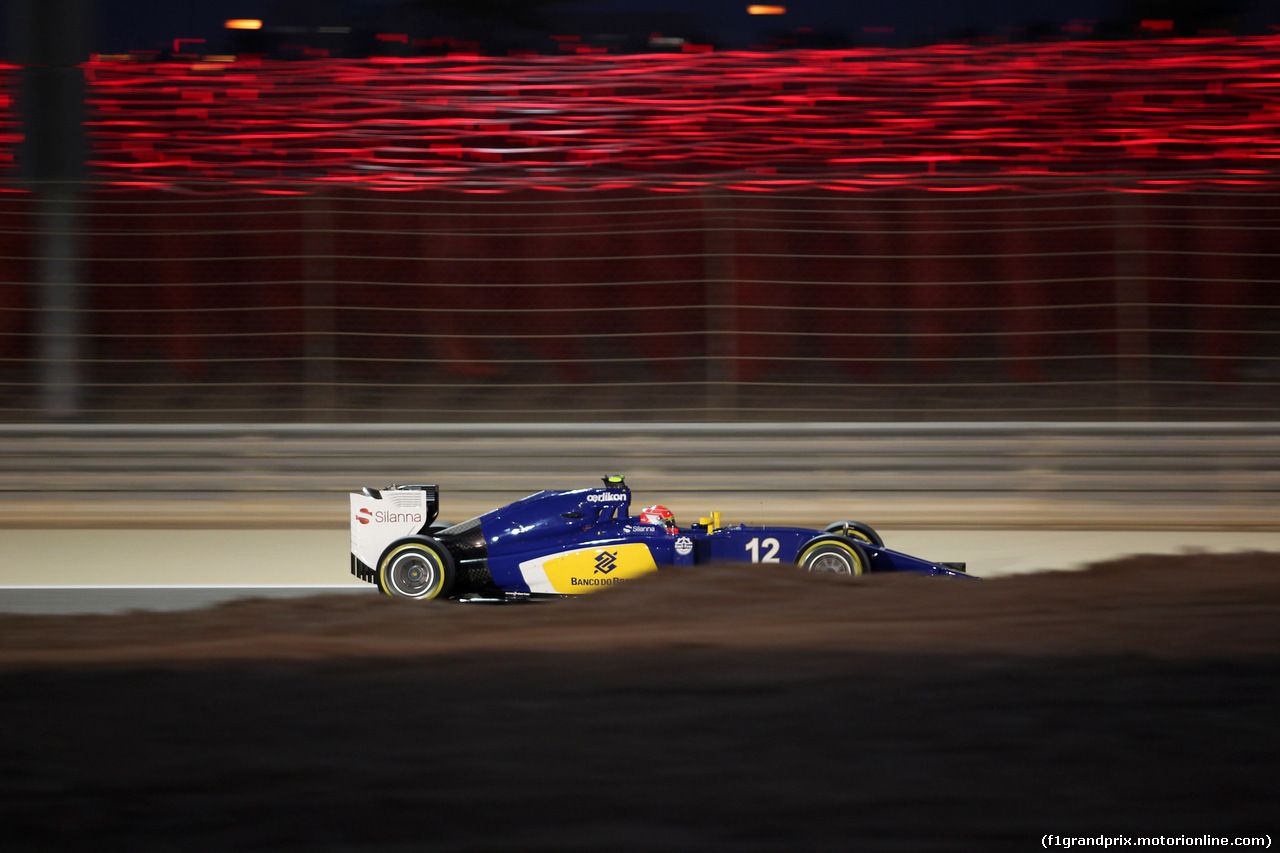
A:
658, 514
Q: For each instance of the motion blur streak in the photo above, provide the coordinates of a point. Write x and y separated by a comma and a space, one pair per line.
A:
851, 119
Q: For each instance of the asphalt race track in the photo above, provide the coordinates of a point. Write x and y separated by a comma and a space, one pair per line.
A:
115, 571
731, 708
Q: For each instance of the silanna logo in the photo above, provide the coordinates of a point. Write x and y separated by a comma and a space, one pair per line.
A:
365, 515
606, 562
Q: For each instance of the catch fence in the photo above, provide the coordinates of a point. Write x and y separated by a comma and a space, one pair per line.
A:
294, 303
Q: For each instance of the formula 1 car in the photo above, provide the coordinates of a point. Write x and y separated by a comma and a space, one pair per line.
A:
556, 543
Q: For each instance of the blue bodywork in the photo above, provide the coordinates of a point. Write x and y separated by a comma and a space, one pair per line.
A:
561, 542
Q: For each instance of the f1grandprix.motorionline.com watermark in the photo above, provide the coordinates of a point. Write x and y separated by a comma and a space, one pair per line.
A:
1047, 841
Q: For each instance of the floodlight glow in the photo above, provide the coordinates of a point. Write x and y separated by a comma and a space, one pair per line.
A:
766, 10
853, 119
244, 24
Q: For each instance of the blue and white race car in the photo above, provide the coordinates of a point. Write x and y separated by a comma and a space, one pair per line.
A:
555, 543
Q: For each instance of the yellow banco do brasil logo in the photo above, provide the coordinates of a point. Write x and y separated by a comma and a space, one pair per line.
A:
590, 569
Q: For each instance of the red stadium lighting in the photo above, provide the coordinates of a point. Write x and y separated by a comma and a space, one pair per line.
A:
853, 119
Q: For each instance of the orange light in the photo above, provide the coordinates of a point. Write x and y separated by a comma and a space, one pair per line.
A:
244, 24
766, 10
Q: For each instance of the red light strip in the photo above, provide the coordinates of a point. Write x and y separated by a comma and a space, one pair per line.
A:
10, 132
1171, 110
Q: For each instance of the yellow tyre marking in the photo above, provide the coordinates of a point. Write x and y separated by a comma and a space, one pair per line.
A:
391, 558
853, 555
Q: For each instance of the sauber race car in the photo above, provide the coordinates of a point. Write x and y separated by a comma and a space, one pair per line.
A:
555, 543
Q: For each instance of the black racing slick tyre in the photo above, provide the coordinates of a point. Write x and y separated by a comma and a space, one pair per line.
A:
835, 555
416, 568
857, 530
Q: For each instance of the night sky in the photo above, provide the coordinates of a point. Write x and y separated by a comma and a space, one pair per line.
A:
131, 25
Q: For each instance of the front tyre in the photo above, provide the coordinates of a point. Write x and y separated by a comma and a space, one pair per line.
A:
857, 530
418, 568
834, 556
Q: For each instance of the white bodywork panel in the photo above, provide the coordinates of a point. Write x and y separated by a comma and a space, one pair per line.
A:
535, 574
375, 523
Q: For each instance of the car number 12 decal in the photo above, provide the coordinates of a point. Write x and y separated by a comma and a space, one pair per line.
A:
769, 546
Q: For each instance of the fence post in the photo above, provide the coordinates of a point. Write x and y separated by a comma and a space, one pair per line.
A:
719, 295
50, 40
1133, 366
59, 305
319, 371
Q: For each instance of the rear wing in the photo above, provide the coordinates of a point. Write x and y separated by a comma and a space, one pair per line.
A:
431, 494
380, 517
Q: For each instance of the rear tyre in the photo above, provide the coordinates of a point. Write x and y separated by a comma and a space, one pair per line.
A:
856, 529
417, 568
834, 556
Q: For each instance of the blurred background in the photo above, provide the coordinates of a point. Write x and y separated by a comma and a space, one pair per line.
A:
433, 215
997, 278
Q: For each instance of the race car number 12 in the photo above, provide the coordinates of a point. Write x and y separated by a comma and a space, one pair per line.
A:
769, 546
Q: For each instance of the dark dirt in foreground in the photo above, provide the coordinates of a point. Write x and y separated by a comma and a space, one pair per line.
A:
731, 709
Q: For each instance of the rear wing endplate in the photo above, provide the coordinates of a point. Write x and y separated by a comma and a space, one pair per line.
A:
432, 496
